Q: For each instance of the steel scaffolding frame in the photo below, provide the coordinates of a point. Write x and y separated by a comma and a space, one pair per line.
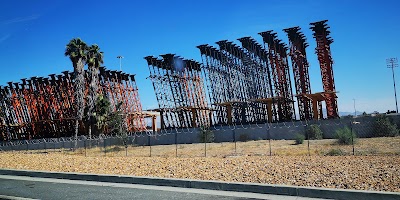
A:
323, 51
298, 45
42, 107
179, 90
278, 58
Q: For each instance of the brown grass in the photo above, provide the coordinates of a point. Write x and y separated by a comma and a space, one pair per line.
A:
289, 163
363, 146
380, 173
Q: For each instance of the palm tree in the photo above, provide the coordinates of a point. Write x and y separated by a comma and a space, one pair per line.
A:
94, 60
76, 49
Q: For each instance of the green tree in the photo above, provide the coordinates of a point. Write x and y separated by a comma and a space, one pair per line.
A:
383, 127
108, 121
116, 121
76, 49
101, 113
94, 60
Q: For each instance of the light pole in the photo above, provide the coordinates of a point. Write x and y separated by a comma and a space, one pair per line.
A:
120, 62
392, 63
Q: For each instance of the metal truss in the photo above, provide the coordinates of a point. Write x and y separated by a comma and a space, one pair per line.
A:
277, 55
323, 51
179, 90
42, 107
297, 52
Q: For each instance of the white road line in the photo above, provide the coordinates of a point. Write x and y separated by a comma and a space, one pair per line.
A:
14, 198
160, 188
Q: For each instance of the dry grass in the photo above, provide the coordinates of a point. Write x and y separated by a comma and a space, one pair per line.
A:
289, 163
363, 146
380, 173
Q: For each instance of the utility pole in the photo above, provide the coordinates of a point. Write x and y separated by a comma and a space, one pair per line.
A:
392, 63
120, 62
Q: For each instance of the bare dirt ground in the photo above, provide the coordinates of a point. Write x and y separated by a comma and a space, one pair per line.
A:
289, 164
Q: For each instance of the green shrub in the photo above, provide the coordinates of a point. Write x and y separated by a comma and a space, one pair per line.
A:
206, 135
243, 137
345, 135
299, 138
335, 152
383, 127
313, 132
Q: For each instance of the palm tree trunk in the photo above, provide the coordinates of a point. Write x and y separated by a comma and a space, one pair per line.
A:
92, 95
79, 85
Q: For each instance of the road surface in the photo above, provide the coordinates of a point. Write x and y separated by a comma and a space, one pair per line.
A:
28, 188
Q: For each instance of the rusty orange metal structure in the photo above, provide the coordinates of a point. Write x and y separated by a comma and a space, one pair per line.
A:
42, 107
298, 55
323, 51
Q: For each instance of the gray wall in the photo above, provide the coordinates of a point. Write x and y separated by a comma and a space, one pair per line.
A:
276, 131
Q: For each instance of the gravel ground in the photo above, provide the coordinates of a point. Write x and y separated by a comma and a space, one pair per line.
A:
380, 173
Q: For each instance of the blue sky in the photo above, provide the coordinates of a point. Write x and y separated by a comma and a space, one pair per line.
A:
33, 35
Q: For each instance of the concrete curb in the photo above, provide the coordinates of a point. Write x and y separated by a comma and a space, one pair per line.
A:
311, 192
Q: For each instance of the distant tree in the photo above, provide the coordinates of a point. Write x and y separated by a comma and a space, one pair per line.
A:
76, 49
390, 111
383, 127
364, 113
348, 117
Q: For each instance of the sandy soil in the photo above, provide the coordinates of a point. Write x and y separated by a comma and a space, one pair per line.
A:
381, 173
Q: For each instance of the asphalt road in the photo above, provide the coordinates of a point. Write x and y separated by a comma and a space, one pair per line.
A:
20, 187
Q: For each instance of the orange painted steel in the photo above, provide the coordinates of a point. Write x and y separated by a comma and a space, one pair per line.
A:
42, 107
323, 51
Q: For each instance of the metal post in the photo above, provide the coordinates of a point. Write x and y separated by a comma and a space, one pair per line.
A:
269, 141
104, 142
352, 136
205, 145
234, 140
149, 146
120, 62
176, 144
395, 94
392, 63
84, 143
308, 140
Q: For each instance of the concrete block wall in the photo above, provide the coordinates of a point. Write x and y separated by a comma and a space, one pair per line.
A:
276, 131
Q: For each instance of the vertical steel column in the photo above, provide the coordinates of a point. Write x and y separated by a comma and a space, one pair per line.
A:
300, 66
323, 51
280, 70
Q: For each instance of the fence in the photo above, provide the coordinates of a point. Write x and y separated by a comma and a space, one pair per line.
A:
244, 140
